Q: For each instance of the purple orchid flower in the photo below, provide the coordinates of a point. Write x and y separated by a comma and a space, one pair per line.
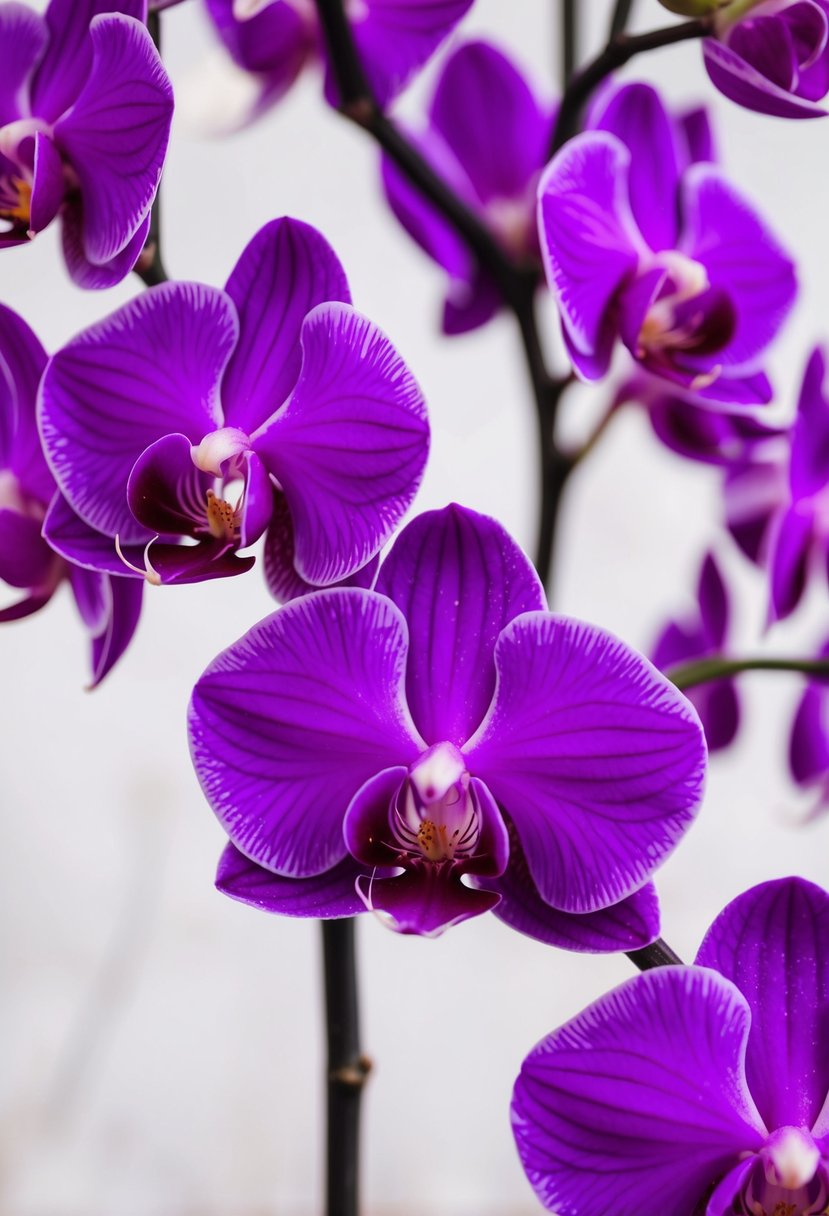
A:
772, 56
488, 135
85, 112
777, 506
644, 240
694, 1091
699, 637
275, 39
809, 742
109, 607
210, 417
443, 745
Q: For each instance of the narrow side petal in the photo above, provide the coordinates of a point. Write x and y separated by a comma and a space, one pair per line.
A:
151, 368
325, 896
740, 82
89, 275
22, 360
809, 740
48, 183
809, 467
290, 721
281, 577
772, 943
790, 541
640, 1103
116, 134
459, 579
589, 242
285, 271
350, 446
596, 757
123, 610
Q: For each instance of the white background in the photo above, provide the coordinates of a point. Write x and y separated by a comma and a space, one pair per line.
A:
160, 1045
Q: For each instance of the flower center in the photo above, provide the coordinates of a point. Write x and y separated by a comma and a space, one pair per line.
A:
436, 816
222, 518
15, 200
788, 1180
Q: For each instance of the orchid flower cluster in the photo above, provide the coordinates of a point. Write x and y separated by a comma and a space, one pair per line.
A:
413, 732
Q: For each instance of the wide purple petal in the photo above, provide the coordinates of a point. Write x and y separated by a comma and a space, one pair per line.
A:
395, 37
636, 115
459, 579
65, 68
23, 37
22, 360
589, 242
123, 608
281, 577
350, 446
741, 82
743, 258
488, 116
289, 722
329, 895
596, 757
718, 707
151, 368
790, 542
809, 740
115, 136
809, 466
89, 275
772, 943
628, 925
285, 271
640, 1103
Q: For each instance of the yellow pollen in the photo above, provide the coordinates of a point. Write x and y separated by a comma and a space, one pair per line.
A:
435, 842
221, 517
22, 210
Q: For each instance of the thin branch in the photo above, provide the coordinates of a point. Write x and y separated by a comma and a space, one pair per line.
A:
621, 17
347, 1068
619, 51
657, 954
690, 675
569, 40
150, 266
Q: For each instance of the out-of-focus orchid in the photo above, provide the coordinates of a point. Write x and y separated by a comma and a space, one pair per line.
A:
210, 417
644, 240
275, 39
85, 112
108, 606
772, 56
488, 134
443, 745
778, 508
694, 1091
699, 637
809, 741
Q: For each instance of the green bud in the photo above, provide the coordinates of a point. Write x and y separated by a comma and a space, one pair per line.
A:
694, 8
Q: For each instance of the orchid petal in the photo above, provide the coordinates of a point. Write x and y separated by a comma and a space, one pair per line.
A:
595, 756
86, 274
459, 579
426, 902
771, 943
22, 360
283, 581
285, 271
639, 1103
809, 466
350, 446
790, 542
116, 134
151, 368
325, 896
589, 242
48, 184
809, 740
123, 609
289, 722
23, 37
741, 82
78, 543
26, 561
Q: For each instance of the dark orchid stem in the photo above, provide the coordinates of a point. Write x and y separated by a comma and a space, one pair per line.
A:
569, 40
689, 675
657, 954
620, 50
516, 281
150, 267
347, 1068
621, 17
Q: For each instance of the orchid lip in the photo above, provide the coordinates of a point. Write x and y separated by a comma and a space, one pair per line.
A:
435, 817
